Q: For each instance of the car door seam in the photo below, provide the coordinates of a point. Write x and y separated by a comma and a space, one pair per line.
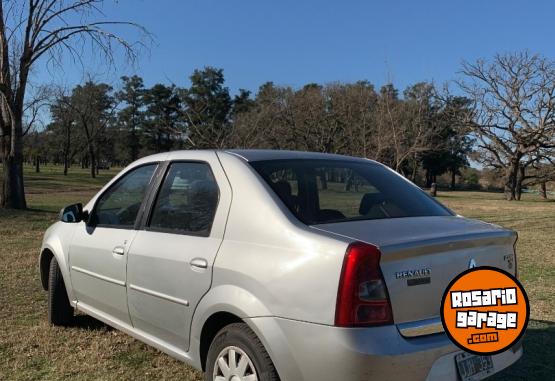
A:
230, 187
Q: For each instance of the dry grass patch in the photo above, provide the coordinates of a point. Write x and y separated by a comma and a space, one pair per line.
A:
534, 220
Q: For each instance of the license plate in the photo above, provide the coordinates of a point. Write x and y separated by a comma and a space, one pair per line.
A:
473, 368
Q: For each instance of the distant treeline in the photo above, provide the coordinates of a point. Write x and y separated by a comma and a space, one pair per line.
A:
419, 133
504, 120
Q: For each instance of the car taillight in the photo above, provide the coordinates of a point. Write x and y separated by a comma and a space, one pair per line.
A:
362, 298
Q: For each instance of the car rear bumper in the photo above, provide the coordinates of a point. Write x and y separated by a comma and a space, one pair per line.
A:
305, 351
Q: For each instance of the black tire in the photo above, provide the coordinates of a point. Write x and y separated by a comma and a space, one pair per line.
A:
60, 311
240, 335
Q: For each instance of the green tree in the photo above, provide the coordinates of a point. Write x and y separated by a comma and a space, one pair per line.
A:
164, 128
64, 138
450, 145
131, 118
207, 109
94, 109
454, 116
242, 102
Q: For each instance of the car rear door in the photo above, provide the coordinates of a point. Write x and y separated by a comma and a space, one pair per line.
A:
98, 250
170, 260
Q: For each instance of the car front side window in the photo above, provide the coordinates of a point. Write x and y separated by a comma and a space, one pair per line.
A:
120, 204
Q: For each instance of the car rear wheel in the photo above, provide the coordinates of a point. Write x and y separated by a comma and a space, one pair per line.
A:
60, 311
236, 354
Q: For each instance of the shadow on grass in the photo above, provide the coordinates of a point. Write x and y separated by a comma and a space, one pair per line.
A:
538, 361
24, 212
89, 323
36, 210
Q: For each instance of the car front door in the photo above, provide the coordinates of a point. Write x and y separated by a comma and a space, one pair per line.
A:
98, 250
170, 260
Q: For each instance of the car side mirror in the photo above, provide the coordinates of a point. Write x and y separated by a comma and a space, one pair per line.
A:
74, 213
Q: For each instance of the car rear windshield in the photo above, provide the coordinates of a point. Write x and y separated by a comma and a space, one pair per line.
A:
328, 191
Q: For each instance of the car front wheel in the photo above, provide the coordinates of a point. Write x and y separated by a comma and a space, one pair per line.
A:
236, 354
60, 311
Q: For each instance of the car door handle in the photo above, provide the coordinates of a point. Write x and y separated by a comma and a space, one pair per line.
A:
118, 250
199, 263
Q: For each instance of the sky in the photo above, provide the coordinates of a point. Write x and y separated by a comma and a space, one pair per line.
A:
298, 42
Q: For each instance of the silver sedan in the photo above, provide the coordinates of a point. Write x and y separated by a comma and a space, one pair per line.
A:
267, 265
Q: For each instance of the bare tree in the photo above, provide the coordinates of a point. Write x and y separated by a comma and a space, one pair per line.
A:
31, 30
351, 126
407, 125
514, 118
308, 120
538, 169
267, 123
247, 130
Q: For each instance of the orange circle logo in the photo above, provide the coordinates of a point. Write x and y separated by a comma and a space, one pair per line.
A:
485, 310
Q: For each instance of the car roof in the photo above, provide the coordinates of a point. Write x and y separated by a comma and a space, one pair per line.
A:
270, 154
252, 155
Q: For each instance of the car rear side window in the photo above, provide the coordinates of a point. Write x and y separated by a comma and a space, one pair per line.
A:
326, 191
187, 200
120, 204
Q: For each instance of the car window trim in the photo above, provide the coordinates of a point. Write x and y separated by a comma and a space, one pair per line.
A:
151, 196
141, 208
149, 207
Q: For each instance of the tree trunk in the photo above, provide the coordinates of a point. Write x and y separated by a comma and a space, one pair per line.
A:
414, 169
67, 145
511, 174
453, 179
13, 190
519, 181
348, 183
134, 144
543, 190
433, 190
428, 178
324, 180
13, 193
66, 161
92, 163
37, 164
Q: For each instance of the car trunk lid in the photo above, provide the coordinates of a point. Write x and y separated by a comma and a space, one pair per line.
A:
421, 255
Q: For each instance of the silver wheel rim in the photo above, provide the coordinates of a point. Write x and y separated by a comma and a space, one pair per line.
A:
233, 364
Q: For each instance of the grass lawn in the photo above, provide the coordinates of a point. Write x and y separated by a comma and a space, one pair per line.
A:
31, 350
